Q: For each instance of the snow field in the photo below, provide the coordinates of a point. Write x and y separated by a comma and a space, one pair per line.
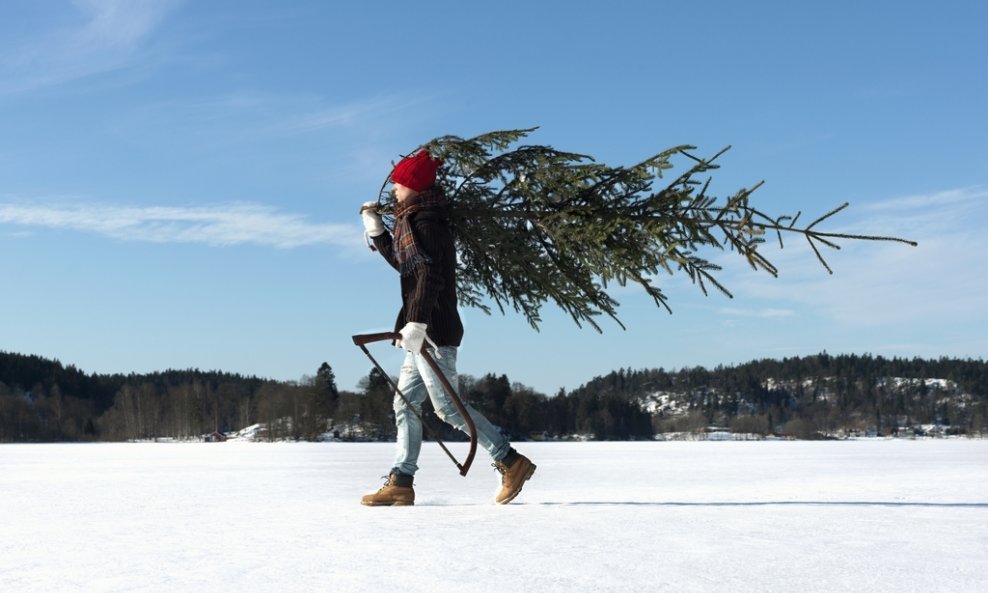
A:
652, 516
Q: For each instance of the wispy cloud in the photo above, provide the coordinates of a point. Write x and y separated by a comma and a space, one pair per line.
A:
215, 225
359, 112
106, 35
354, 138
963, 197
246, 114
888, 283
767, 313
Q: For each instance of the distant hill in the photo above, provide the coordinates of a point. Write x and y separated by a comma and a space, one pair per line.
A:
812, 396
807, 397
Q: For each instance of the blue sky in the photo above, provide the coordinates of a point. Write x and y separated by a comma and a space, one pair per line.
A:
180, 181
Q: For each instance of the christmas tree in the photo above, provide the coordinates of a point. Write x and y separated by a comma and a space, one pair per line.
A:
534, 224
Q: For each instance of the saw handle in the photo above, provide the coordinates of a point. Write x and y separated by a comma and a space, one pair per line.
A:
364, 339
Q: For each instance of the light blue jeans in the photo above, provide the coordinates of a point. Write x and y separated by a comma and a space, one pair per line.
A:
416, 381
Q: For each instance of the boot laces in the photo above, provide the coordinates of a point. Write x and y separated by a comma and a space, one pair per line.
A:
501, 469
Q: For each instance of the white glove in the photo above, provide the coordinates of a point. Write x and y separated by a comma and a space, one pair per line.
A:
373, 225
412, 337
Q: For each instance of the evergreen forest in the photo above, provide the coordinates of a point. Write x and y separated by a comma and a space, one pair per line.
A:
821, 396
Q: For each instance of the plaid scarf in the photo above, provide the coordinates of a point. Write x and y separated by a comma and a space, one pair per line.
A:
406, 250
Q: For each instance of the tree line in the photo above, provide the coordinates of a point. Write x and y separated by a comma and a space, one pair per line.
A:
812, 396
805, 397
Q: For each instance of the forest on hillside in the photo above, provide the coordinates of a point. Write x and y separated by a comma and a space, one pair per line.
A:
42, 400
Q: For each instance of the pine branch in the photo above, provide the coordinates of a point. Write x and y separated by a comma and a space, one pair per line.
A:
534, 224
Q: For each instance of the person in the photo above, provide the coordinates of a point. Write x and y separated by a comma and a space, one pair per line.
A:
421, 249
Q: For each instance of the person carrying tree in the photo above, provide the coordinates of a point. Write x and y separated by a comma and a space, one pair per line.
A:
422, 250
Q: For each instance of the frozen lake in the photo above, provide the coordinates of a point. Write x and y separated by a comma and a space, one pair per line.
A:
802, 517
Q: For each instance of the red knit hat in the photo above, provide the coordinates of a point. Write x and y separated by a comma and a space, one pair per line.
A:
416, 172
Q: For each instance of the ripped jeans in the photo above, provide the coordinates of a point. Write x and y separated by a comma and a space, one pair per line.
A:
417, 380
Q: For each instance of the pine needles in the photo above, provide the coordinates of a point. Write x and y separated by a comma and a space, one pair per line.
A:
534, 224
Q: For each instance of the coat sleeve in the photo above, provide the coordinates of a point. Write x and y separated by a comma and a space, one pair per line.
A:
385, 246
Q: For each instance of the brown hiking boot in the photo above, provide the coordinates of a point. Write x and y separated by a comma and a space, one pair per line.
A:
396, 492
515, 470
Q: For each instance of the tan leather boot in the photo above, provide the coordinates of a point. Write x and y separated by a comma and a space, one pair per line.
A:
515, 470
396, 492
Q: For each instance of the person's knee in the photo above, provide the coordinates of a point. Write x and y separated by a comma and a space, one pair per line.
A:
403, 410
450, 415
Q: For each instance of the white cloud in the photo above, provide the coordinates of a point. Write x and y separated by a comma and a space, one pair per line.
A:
321, 117
107, 35
118, 23
246, 114
217, 225
939, 281
949, 198
767, 313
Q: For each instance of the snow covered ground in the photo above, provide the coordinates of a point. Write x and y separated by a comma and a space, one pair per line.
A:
801, 517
